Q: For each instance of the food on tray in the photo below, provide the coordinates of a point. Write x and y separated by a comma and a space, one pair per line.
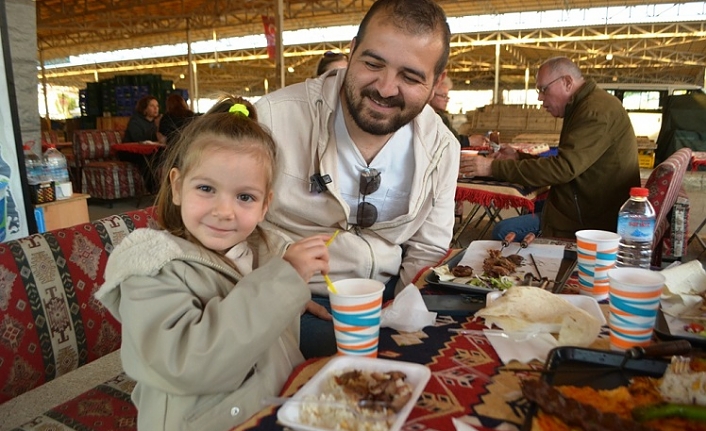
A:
444, 273
358, 401
644, 404
462, 271
497, 271
527, 308
570, 408
682, 384
497, 265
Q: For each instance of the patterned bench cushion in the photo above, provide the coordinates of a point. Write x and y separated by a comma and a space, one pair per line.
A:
112, 180
50, 323
106, 407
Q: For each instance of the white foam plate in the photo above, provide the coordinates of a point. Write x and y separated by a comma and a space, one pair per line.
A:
417, 376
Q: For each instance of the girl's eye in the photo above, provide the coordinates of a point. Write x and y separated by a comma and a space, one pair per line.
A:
207, 189
246, 198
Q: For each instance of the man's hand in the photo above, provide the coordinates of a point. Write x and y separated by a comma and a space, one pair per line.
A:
309, 256
506, 152
474, 166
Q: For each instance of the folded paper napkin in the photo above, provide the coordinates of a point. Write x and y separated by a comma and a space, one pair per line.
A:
521, 347
407, 313
683, 283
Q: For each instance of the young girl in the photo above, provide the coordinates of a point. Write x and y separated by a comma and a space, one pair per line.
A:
206, 336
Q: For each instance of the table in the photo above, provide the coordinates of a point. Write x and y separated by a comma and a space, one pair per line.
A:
150, 155
454, 389
468, 381
698, 158
67, 212
492, 196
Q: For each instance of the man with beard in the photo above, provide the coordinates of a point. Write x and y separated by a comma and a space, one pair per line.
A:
361, 153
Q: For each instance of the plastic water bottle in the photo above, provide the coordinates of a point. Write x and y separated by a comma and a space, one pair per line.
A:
57, 170
35, 166
636, 227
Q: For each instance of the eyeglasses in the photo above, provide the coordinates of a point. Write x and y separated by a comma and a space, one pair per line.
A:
442, 96
542, 90
367, 212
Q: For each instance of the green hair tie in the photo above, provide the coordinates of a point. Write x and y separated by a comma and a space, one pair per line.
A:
239, 108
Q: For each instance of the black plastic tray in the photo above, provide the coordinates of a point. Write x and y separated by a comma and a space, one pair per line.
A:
599, 369
568, 263
663, 333
457, 305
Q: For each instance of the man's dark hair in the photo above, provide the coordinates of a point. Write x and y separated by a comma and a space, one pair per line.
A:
414, 17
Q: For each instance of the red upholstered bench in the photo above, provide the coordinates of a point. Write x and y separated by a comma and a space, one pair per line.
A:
101, 174
51, 325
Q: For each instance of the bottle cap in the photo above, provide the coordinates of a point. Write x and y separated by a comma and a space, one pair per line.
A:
639, 191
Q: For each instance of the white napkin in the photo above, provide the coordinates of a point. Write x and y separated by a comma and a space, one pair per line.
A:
407, 313
683, 284
519, 346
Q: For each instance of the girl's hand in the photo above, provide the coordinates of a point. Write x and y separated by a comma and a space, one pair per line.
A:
309, 256
318, 310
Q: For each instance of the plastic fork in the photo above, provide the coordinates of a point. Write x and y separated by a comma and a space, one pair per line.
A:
680, 364
517, 337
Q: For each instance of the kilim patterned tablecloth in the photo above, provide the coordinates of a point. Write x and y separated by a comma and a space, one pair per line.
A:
454, 390
468, 382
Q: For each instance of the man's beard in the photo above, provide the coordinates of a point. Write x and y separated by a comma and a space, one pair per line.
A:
374, 122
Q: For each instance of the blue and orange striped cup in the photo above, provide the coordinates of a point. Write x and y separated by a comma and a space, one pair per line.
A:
634, 300
356, 308
597, 251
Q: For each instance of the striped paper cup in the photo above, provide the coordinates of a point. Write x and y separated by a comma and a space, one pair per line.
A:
356, 315
597, 253
634, 300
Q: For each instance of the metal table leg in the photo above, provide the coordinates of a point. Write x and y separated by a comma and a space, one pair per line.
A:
695, 235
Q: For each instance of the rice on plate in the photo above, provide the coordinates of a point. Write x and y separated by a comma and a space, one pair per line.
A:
322, 404
339, 406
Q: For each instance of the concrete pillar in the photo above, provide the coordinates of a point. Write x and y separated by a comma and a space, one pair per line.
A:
22, 29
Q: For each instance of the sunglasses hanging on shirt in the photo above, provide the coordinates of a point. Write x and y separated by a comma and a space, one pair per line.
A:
367, 212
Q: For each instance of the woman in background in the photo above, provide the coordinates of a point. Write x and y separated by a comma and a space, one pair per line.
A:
143, 123
177, 115
143, 127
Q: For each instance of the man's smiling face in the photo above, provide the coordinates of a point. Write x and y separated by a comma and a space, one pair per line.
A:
390, 76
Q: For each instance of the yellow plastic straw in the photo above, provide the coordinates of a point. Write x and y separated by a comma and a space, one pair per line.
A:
330, 285
328, 243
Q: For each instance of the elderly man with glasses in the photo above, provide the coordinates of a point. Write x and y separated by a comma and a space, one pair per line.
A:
361, 152
440, 101
596, 165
